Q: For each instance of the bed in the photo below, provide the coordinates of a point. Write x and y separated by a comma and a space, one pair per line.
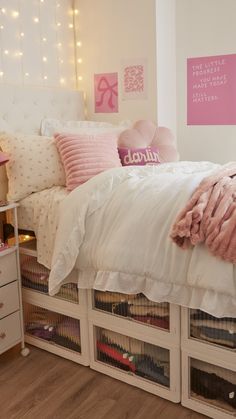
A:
129, 315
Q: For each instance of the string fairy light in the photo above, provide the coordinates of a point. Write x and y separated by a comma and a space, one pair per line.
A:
42, 48
78, 45
15, 14
22, 35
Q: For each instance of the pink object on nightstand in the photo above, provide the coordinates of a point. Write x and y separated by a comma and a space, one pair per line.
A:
3, 246
4, 158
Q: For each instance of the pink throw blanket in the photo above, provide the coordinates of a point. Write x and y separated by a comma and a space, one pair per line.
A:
210, 215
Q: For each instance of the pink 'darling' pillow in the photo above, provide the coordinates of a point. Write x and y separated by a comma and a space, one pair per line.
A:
84, 155
146, 134
139, 156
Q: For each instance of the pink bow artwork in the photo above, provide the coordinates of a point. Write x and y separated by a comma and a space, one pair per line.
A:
106, 92
146, 134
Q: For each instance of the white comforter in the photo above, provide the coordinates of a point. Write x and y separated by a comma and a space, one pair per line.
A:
115, 230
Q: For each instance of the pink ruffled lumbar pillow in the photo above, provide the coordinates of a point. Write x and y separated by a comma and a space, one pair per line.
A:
84, 155
146, 135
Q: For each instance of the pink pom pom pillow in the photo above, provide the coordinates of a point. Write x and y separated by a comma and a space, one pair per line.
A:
146, 135
139, 156
84, 155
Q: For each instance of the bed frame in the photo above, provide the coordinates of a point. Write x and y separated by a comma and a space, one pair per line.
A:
22, 111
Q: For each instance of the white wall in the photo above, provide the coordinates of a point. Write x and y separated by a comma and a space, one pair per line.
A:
37, 43
166, 63
204, 27
111, 31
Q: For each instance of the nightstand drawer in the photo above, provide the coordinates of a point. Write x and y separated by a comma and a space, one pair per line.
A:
8, 270
9, 299
10, 331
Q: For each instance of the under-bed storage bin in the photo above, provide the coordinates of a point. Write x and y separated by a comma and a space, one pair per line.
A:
134, 307
207, 388
134, 356
130, 355
57, 332
122, 309
201, 329
35, 276
52, 327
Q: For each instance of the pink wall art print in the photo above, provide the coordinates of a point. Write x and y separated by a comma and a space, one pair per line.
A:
211, 95
134, 79
106, 92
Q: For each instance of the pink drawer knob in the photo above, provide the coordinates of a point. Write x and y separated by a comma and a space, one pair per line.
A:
2, 335
1, 305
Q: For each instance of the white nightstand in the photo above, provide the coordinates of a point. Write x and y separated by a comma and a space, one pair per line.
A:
11, 313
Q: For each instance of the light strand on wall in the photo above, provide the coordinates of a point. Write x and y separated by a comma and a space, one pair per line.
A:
58, 41
75, 49
78, 45
2, 13
71, 26
18, 54
21, 37
62, 78
43, 39
1, 62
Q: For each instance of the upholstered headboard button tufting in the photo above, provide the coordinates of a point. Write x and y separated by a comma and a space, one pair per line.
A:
23, 108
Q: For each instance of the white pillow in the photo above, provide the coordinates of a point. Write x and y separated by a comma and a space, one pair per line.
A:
34, 164
50, 126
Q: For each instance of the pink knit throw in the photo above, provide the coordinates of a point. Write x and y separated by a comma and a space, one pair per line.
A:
210, 215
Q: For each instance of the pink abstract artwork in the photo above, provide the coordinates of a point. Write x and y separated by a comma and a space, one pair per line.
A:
134, 79
211, 95
106, 92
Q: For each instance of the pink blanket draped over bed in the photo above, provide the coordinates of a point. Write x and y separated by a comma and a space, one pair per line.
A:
210, 215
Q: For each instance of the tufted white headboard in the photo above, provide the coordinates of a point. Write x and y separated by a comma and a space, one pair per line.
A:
22, 109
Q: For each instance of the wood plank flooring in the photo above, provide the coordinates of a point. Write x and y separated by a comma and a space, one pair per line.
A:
44, 386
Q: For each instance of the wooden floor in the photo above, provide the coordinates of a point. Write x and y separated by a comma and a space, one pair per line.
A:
44, 386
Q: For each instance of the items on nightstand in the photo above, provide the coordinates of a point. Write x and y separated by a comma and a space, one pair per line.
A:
3, 246
11, 314
4, 158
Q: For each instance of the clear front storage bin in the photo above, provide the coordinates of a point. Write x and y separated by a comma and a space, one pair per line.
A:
55, 328
217, 331
134, 307
213, 385
35, 277
139, 358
